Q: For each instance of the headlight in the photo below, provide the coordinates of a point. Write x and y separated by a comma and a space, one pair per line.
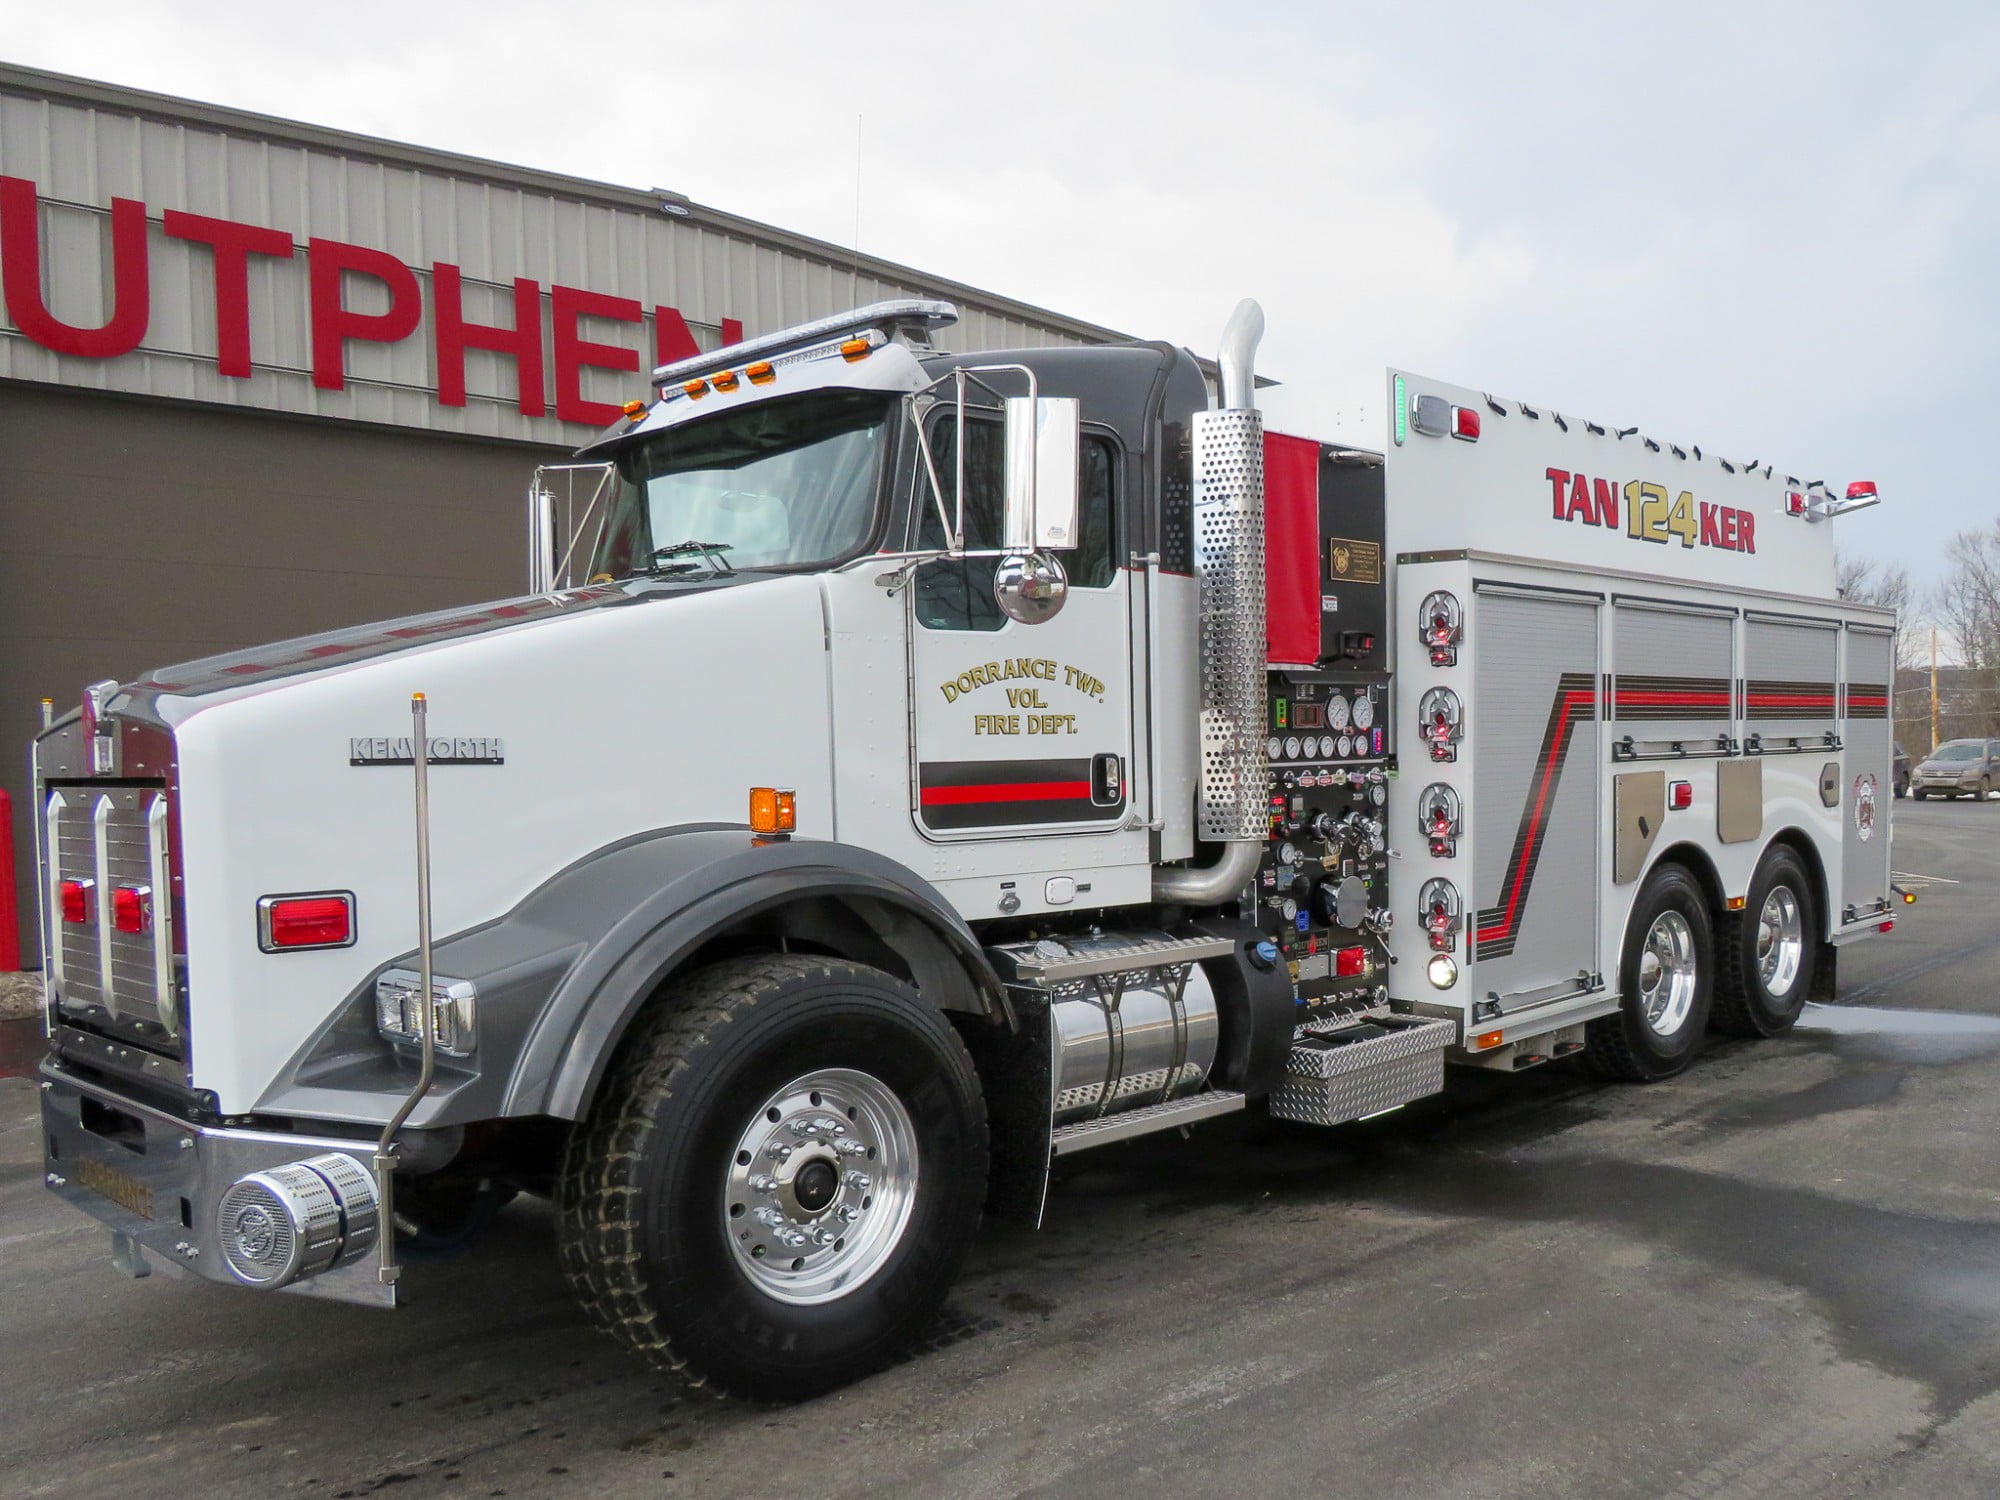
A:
399, 1011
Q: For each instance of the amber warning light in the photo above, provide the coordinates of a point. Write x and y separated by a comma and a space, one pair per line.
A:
773, 811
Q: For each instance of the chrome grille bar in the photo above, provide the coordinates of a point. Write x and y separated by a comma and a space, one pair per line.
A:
100, 843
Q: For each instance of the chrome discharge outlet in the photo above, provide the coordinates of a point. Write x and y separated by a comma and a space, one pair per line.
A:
286, 1223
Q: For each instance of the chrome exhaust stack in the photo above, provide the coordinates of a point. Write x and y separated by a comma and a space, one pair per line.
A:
1229, 564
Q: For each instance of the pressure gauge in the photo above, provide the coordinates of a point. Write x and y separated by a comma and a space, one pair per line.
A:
1336, 713
1346, 746
1289, 909
1325, 746
1364, 711
1274, 747
1292, 747
1287, 855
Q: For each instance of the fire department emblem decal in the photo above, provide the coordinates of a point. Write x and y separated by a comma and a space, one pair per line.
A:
1864, 806
1342, 560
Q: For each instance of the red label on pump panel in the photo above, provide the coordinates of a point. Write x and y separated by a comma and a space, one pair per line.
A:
1291, 550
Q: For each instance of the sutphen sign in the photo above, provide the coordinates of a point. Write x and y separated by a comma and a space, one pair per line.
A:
354, 294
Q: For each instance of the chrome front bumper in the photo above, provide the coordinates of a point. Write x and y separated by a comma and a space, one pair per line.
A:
158, 1181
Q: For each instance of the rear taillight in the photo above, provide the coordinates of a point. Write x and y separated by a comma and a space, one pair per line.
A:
132, 908
74, 898
1465, 424
286, 924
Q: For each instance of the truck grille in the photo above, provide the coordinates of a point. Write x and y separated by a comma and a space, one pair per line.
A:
120, 984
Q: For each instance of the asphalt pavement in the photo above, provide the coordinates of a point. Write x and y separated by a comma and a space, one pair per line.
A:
1777, 1275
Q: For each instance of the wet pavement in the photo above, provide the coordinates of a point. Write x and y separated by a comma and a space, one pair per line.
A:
1777, 1275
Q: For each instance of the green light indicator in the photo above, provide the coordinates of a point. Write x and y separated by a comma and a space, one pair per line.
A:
1402, 410
1283, 713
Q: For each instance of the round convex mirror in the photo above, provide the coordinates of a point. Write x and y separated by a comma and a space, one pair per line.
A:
1030, 587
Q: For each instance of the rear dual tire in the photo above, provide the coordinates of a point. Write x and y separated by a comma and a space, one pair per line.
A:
1768, 952
1666, 977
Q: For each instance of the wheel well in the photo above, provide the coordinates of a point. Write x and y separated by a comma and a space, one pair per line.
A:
1694, 859
1796, 840
858, 927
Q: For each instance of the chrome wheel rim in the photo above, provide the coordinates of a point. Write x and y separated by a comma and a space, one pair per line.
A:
1667, 973
1781, 942
821, 1186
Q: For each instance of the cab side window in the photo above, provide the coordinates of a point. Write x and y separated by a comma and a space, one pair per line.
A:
959, 595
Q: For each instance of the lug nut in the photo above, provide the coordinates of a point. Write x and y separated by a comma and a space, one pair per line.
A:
849, 1147
769, 1216
858, 1180
822, 1237
848, 1213
764, 1183
778, 1151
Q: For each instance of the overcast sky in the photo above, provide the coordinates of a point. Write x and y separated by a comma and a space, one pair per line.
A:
1770, 229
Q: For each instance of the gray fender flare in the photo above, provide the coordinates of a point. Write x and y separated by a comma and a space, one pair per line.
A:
637, 910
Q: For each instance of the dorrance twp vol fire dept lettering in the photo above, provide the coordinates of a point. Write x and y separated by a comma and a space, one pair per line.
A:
1025, 701
1648, 514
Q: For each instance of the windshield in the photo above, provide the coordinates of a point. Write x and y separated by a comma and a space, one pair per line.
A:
782, 484
1957, 750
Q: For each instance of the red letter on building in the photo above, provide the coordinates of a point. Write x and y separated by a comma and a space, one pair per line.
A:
1559, 480
1711, 532
672, 338
1746, 531
21, 277
455, 336
233, 244
573, 351
328, 262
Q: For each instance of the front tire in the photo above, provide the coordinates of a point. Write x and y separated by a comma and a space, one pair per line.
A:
1766, 953
780, 1178
1666, 974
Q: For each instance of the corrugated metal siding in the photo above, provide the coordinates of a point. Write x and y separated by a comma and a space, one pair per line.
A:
81, 154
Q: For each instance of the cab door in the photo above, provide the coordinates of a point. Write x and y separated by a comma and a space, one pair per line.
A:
1020, 730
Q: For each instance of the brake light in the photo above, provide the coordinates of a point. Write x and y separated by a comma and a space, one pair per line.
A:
1348, 962
1862, 489
1795, 503
288, 923
74, 896
1680, 795
1465, 423
132, 908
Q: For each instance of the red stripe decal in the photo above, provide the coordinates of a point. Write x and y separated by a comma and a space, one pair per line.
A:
1006, 791
1551, 768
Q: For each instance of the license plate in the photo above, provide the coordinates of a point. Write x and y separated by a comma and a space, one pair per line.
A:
128, 1192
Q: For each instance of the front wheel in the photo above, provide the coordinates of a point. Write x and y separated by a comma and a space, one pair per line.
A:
780, 1179
1666, 976
1920, 794
1766, 953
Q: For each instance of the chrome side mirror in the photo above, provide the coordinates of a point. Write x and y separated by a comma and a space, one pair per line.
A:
1030, 587
1043, 444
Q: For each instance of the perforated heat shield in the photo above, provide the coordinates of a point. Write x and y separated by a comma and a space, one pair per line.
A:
1229, 561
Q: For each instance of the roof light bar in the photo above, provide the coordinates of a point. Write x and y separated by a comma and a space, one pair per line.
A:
876, 316
1821, 506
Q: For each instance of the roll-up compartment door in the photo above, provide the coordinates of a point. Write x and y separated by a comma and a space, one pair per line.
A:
1790, 668
1534, 814
1870, 781
1672, 673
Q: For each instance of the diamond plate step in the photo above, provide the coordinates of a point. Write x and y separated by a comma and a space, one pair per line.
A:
1334, 1077
1052, 962
1144, 1121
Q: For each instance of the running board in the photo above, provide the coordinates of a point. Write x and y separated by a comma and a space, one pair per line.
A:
1145, 1121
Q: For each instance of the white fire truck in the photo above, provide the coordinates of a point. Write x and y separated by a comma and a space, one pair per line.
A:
909, 768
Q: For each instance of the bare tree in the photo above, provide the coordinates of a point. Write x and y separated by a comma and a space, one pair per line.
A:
1868, 580
1967, 606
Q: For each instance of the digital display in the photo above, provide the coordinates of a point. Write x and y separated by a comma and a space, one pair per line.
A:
1308, 716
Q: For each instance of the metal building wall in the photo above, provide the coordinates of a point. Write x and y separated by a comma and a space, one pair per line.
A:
84, 144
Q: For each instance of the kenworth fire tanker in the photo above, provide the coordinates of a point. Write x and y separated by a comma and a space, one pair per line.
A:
909, 768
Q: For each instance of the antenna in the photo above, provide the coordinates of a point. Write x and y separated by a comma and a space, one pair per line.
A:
854, 273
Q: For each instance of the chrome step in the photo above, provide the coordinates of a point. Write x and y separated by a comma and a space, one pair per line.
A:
1145, 1121
1337, 1076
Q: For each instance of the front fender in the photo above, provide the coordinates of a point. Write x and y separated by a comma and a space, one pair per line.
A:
655, 901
